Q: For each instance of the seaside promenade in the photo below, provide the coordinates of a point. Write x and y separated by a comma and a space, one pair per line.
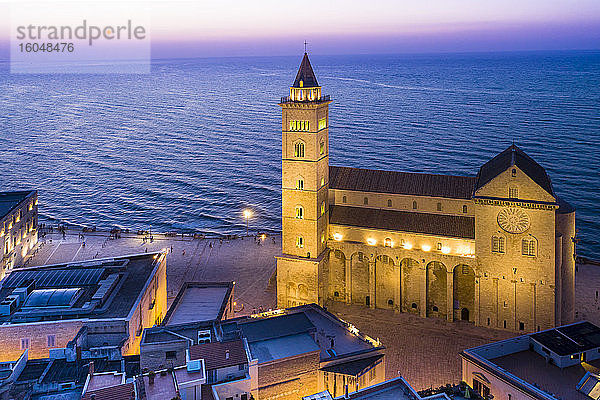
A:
424, 351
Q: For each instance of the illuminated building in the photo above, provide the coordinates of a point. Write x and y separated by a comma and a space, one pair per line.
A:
495, 249
559, 363
18, 228
100, 305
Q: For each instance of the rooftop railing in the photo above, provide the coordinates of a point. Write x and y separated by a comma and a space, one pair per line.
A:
288, 99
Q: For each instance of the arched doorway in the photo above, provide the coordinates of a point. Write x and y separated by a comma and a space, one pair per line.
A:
410, 285
385, 279
337, 276
464, 291
464, 314
437, 290
360, 278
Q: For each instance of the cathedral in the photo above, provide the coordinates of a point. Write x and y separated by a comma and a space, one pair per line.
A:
495, 249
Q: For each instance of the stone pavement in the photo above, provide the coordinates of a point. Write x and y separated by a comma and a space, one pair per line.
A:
425, 351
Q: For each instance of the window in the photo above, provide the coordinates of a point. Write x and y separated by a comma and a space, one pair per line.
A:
504, 324
389, 203
366, 201
302, 126
413, 306
521, 326
25, 343
481, 389
414, 205
529, 246
204, 336
299, 149
498, 244
439, 206
322, 148
387, 242
322, 181
323, 123
323, 207
299, 212
299, 242
344, 200
300, 184
514, 172
51, 340
372, 373
390, 302
171, 355
513, 192
438, 246
323, 237
464, 209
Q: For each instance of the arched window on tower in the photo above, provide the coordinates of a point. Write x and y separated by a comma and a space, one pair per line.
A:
414, 205
299, 149
344, 199
300, 183
498, 244
389, 203
529, 246
299, 242
323, 207
299, 212
366, 201
322, 148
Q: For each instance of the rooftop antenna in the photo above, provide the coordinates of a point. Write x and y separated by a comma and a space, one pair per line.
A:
305, 43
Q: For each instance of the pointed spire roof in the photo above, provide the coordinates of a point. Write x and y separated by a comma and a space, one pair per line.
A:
305, 74
514, 156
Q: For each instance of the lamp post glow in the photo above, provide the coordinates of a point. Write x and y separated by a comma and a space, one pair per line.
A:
247, 215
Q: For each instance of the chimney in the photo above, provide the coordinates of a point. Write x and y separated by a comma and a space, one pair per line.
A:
227, 354
91, 368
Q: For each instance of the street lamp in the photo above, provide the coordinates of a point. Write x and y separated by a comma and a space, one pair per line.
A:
247, 215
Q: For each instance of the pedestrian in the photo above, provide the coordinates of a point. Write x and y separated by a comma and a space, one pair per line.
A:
171, 248
146, 249
183, 252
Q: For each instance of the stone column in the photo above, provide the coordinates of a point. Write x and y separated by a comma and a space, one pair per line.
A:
423, 310
450, 295
348, 283
372, 293
397, 291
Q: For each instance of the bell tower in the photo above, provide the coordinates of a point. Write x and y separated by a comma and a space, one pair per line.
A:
304, 185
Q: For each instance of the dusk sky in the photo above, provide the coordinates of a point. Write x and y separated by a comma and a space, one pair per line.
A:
273, 27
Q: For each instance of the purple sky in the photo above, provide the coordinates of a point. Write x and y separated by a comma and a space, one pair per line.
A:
273, 27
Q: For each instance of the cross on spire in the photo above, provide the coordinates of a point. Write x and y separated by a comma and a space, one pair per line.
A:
305, 43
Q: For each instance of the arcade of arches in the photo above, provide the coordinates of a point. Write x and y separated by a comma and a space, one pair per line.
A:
428, 288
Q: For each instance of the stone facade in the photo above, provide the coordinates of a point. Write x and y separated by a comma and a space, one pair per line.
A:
18, 229
509, 263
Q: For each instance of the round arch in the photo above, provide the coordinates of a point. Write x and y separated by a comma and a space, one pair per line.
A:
359, 278
385, 281
410, 285
464, 292
437, 290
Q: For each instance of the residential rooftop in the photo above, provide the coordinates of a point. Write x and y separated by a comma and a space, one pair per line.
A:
199, 301
545, 365
220, 354
11, 200
95, 289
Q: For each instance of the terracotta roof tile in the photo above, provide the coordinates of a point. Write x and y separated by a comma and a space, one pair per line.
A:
406, 221
118, 392
215, 354
408, 183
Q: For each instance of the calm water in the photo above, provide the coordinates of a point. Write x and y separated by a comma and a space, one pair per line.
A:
187, 147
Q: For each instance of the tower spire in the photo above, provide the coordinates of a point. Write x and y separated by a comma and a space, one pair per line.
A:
305, 43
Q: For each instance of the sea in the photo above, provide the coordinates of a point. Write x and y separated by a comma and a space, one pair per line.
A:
189, 146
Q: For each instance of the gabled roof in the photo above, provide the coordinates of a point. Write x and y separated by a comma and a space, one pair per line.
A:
514, 156
408, 183
305, 74
457, 226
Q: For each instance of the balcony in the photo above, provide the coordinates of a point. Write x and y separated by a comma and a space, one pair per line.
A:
288, 99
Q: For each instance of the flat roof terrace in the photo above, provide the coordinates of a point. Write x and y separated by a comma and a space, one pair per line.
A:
533, 368
199, 301
95, 289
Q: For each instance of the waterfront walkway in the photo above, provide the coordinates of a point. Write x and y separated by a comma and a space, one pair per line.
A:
241, 260
425, 351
